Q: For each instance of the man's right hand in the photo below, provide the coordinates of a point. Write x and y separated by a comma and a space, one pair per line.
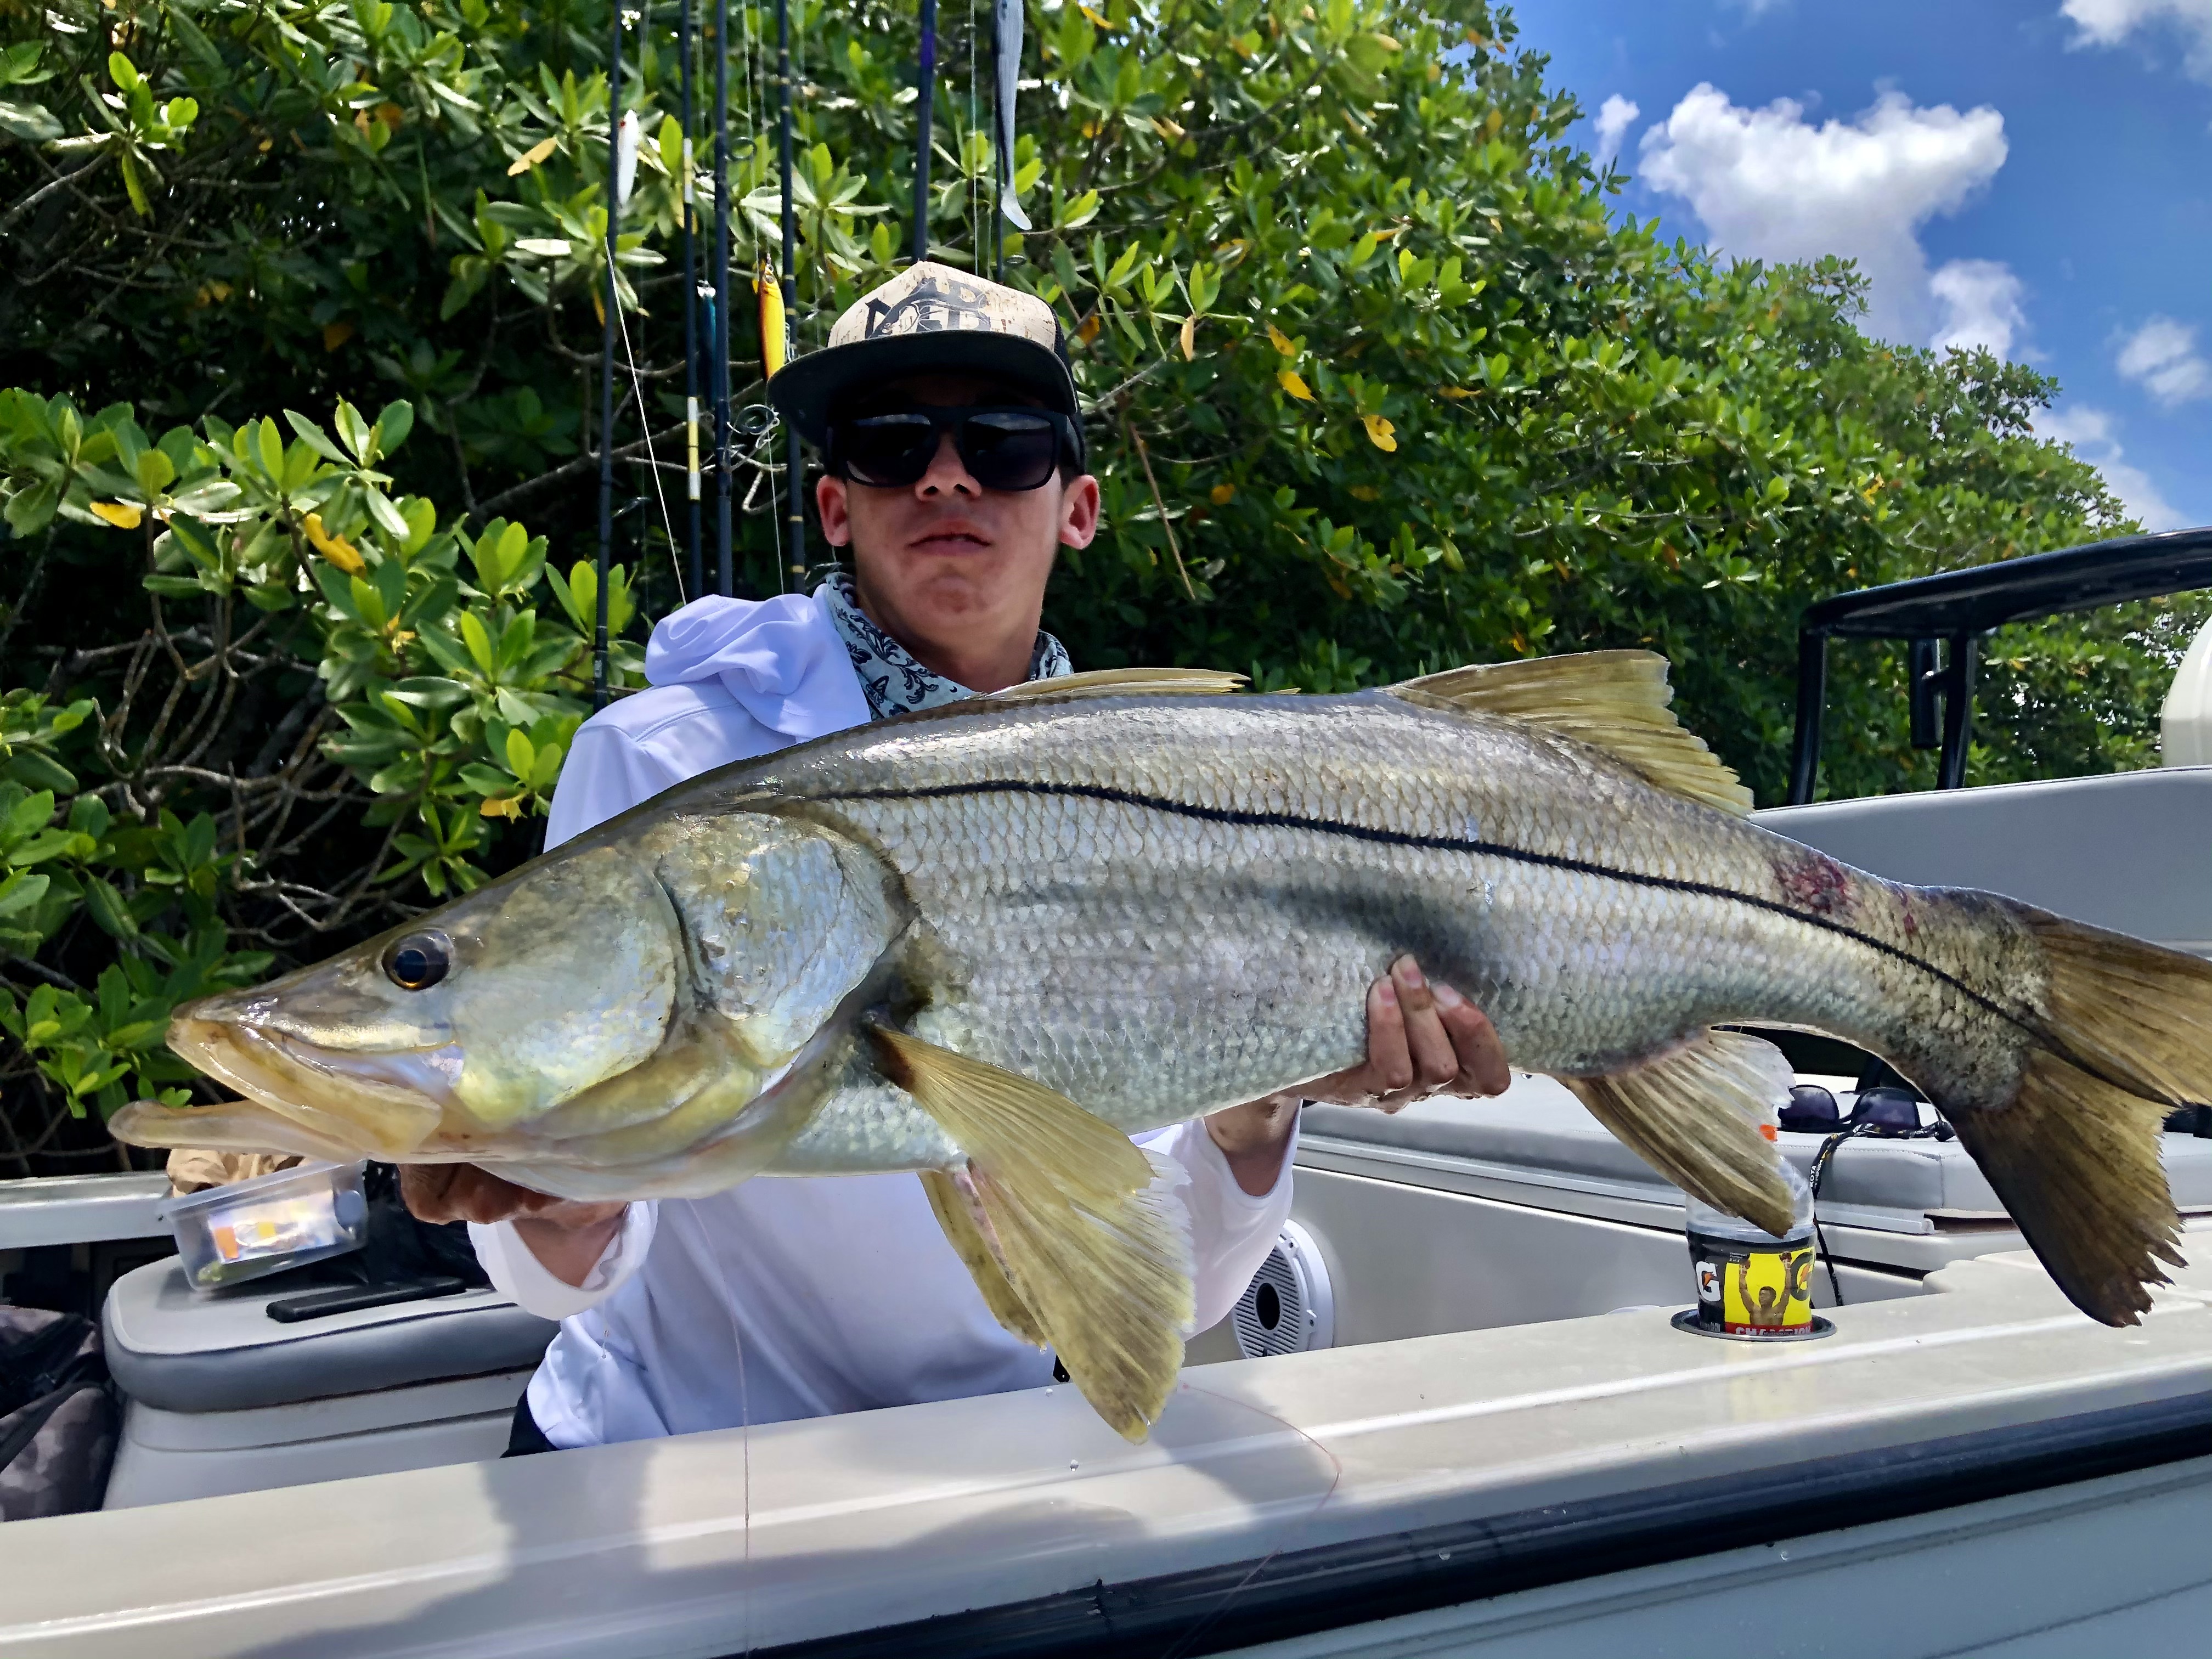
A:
567, 1235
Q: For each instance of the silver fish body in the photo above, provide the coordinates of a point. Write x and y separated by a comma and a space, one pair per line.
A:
1164, 911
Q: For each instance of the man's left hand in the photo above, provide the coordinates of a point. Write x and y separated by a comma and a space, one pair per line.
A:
1422, 1040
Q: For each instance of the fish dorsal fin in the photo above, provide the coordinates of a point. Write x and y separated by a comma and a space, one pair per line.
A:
1130, 682
1696, 1114
1616, 701
1089, 1235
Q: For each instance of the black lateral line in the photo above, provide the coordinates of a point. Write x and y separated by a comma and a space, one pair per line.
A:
1431, 843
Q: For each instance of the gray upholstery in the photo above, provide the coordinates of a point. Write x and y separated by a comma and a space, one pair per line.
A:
174, 1348
1537, 1128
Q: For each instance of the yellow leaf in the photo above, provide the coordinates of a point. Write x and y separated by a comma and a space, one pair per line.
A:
1289, 379
1379, 432
266, 145
531, 157
1095, 17
1088, 331
1189, 337
1223, 494
1365, 493
501, 807
337, 549
123, 515
1167, 129
335, 335
390, 115
1282, 340
1454, 392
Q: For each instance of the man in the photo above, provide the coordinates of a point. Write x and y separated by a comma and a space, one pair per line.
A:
953, 453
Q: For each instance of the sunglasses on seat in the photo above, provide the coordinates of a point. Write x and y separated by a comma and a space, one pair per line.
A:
1008, 449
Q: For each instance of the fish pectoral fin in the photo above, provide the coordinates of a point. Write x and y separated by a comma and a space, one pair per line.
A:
234, 1125
1613, 700
1092, 1236
1695, 1112
959, 1211
1127, 683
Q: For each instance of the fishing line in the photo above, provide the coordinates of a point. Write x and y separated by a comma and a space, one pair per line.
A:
1206, 1621
744, 1415
652, 464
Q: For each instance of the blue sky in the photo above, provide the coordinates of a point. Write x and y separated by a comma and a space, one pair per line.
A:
2034, 176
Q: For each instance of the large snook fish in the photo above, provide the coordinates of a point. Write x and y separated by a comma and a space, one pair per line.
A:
987, 941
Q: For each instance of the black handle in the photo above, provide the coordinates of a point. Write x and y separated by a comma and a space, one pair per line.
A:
350, 1299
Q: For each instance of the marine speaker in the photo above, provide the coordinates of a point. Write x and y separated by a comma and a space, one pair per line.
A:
1288, 1307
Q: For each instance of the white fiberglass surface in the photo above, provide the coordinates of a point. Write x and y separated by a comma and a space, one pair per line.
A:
703, 1544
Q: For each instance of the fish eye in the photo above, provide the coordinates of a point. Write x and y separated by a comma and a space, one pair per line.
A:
418, 961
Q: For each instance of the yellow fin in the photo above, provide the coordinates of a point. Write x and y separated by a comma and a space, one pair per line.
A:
1694, 1114
1616, 701
1130, 682
1093, 1239
2076, 1161
957, 1212
234, 1125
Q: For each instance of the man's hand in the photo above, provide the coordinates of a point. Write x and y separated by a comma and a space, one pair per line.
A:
1422, 1040
567, 1235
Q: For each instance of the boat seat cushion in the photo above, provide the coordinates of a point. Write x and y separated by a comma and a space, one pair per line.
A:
176, 1349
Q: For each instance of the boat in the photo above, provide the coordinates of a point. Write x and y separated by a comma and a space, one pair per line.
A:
1453, 1414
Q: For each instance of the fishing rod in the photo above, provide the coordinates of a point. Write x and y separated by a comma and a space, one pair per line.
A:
925, 104
607, 323
691, 482
719, 312
794, 466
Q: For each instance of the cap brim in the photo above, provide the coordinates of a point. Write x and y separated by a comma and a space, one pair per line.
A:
807, 388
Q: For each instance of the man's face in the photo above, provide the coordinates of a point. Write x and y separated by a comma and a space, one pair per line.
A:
946, 556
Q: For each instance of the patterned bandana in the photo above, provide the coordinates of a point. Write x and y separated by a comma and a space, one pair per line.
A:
894, 682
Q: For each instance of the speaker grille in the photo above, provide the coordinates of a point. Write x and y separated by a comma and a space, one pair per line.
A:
1286, 1309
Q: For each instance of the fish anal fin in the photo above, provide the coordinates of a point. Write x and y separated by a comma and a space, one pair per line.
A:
959, 1212
1613, 700
1091, 1234
234, 1125
1127, 683
1695, 1115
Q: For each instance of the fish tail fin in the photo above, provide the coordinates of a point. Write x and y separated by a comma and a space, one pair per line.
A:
1696, 1114
1075, 1235
2074, 1154
234, 1125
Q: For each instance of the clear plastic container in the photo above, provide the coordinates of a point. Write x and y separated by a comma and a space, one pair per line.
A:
228, 1234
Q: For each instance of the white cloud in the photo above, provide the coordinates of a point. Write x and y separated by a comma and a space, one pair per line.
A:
2161, 357
2090, 431
1770, 185
1612, 118
2109, 22
1979, 299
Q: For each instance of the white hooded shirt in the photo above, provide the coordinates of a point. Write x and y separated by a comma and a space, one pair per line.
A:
785, 1298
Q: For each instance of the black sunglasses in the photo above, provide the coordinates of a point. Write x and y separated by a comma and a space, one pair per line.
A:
1009, 449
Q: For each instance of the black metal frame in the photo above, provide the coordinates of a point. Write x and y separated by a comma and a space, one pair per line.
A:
1945, 617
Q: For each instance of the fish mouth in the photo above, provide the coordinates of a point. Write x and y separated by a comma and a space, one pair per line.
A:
392, 1100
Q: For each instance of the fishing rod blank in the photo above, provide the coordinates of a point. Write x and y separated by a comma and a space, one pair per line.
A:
925, 103
795, 462
613, 298
697, 576
719, 314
